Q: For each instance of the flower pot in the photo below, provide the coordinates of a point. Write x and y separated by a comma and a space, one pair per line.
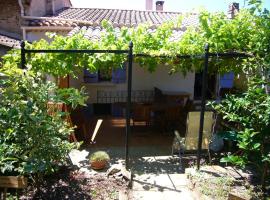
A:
100, 164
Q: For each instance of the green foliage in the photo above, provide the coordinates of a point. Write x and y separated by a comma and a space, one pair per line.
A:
250, 114
31, 140
99, 156
248, 32
71, 96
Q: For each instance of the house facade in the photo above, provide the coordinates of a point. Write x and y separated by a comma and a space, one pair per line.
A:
30, 20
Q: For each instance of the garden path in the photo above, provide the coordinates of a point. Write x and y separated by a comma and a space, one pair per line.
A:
156, 173
161, 181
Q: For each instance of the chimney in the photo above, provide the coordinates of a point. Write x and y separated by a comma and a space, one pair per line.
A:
233, 10
148, 4
159, 5
50, 10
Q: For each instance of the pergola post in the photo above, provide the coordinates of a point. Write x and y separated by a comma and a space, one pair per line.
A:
128, 108
204, 86
23, 60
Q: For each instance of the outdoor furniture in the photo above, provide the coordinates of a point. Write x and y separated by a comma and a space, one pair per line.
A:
189, 143
176, 96
141, 113
80, 121
172, 116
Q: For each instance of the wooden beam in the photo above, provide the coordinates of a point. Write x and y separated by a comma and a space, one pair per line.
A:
18, 182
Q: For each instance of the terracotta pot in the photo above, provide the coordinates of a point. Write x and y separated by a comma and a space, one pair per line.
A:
101, 164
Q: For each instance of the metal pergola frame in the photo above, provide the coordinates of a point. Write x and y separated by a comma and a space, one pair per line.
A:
130, 54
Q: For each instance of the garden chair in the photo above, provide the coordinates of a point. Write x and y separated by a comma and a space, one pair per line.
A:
171, 117
141, 113
189, 143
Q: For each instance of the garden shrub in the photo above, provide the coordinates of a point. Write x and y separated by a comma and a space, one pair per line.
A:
32, 142
249, 114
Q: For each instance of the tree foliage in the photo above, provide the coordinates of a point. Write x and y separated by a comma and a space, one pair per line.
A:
32, 141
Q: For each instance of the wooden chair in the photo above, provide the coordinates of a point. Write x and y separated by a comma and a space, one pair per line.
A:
188, 107
141, 113
172, 116
189, 143
53, 107
79, 120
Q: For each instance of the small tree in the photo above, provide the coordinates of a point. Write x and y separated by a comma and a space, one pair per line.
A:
32, 142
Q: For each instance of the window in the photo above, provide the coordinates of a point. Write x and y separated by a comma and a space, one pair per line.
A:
114, 76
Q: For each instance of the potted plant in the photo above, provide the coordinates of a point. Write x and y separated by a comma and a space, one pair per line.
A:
99, 160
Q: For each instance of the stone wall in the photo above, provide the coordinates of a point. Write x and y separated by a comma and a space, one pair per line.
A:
10, 16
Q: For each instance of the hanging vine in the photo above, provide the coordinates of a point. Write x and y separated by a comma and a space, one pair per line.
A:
248, 32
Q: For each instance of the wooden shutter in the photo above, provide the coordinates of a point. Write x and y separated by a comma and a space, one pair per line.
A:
90, 77
119, 75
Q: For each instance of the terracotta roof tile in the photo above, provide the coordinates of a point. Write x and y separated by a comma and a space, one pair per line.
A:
9, 42
119, 18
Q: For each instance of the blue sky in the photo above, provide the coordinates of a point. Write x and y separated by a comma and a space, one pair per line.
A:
169, 5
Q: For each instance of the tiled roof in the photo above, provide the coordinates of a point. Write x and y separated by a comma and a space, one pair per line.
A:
94, 16
9, 42
94, 33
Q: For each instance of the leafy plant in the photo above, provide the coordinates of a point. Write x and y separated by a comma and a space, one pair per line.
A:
32, 142
71, 96
99, 156
248, 32
250, 114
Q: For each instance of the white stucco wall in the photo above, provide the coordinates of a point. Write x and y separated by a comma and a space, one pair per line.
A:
33, 35
142, 80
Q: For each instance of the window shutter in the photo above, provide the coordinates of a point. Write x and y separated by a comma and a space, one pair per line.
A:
226, 81
119, 75
90, 77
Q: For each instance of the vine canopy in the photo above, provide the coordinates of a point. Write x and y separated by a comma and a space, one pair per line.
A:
248, 32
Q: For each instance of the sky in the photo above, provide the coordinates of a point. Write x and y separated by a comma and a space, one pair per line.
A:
169, 5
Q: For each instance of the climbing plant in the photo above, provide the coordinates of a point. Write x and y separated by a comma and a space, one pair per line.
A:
248, 32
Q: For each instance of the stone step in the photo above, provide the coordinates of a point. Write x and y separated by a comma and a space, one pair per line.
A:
160, 182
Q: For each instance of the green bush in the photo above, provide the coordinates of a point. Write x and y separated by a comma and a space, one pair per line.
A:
249, 113
32, 142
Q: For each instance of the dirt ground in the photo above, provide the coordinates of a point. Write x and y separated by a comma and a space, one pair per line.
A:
71, 184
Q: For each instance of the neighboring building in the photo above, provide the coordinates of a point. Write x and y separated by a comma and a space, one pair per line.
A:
14, 14
30, 20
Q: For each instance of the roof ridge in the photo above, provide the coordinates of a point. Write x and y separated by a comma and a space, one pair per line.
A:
92, 16
153, 11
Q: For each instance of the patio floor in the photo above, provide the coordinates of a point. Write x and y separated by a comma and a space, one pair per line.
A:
112, 134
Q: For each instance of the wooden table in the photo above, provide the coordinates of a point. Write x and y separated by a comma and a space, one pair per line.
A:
175, 96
